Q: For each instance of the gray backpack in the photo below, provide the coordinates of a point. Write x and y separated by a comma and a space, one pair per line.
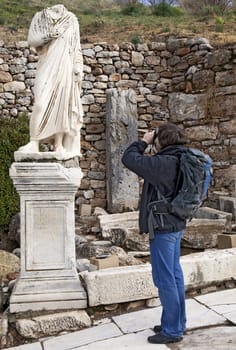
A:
194, 179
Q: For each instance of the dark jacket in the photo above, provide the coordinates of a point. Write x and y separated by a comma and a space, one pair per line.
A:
160, 170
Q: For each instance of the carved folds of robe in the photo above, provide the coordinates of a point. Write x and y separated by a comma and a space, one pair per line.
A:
57, 108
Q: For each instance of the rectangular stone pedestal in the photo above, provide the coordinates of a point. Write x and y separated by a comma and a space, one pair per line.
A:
48, 278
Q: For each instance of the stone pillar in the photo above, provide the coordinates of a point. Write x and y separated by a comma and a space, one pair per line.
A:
121, 130
48, 278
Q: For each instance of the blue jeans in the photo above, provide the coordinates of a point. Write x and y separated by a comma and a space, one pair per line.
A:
168, 278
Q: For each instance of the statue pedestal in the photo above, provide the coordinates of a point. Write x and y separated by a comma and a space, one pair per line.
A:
48, 279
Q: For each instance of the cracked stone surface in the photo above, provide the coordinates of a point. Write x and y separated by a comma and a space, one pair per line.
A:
224, 303
209, 326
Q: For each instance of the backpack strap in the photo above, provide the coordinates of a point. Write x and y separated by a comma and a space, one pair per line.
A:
159, 207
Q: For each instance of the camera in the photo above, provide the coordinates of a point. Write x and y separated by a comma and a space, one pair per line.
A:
155, 136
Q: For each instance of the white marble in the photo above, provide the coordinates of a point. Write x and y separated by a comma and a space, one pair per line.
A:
200, 315
201, 269
223, 302
139, 320
197, 315
57, 114
20, 156
217, 338
133, 341
48, 277
84, 337
122, 284
33, 346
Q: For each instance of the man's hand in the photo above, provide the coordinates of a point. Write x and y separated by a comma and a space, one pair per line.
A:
148, 137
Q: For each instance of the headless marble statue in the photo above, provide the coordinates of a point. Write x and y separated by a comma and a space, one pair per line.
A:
57, 114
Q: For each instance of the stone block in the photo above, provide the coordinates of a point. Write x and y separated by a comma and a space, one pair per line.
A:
202, 269
105, 262
108, 221
85, 209
227, 241
203, 233
228, 204
129, 283
8, 263
52, 324
120, 284
212, 213
123, 231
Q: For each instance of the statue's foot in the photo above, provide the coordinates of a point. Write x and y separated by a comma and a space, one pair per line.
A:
31, 147
59, 149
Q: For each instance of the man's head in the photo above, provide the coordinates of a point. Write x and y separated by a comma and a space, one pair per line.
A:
170, 134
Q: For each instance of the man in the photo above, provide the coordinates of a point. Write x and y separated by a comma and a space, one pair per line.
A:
160, 174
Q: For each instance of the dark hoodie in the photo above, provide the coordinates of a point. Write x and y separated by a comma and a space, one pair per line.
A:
160, 170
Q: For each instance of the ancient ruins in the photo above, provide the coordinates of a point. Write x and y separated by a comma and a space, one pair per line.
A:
126, 90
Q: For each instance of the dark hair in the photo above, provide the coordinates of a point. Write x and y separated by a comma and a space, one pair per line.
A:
171, 134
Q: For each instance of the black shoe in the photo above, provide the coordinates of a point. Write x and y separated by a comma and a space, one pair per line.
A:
163, 339
157, 329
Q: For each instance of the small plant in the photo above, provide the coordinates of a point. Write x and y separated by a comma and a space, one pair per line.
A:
194, 29
13, 134
165, 30
165, 10
219, 24
134, 10
136, 39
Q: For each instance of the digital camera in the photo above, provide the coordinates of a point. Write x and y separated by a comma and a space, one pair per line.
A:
154, 136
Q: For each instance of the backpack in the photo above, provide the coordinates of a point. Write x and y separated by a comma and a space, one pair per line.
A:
194, 179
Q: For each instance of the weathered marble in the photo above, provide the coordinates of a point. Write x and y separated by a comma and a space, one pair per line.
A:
121, 129
52, 324
203, 233
48, 277
123, 284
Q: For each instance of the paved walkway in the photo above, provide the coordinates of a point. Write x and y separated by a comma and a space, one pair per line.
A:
211, 325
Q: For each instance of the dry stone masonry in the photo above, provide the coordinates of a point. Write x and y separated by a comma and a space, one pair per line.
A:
183, 80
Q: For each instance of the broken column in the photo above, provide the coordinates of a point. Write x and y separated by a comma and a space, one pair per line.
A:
121, 130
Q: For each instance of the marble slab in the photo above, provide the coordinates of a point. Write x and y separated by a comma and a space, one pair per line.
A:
83, 337
33, 346
223, 302
133, 341
217, 338
198, 315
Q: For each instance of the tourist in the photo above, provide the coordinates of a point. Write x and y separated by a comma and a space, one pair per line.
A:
160, 171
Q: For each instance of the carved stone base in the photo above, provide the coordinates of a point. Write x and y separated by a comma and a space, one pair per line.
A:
47, 294
48, 277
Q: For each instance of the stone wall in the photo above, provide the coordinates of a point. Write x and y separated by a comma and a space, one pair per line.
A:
185, 81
